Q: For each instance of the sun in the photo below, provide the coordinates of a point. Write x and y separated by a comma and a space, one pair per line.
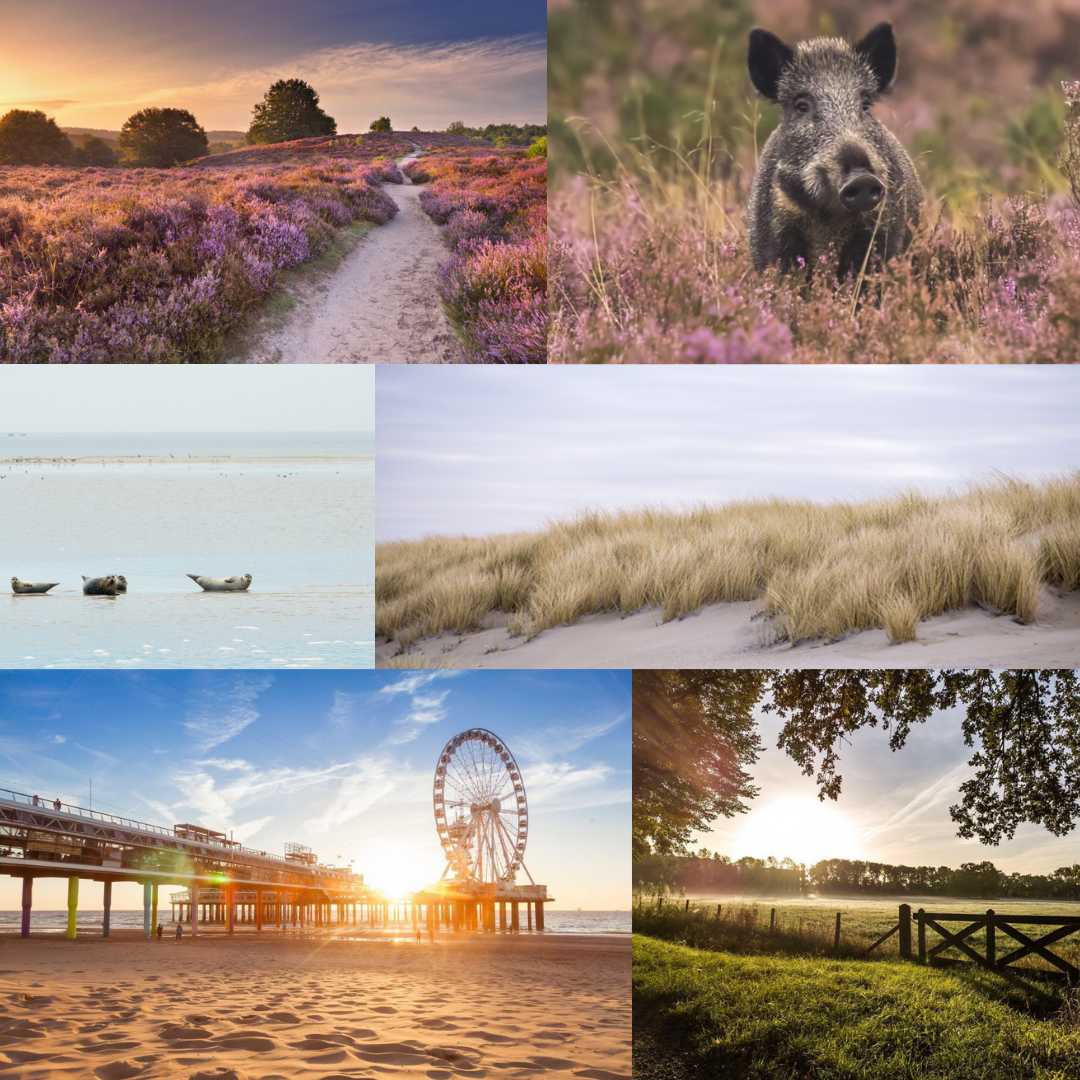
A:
797, 827
395, 869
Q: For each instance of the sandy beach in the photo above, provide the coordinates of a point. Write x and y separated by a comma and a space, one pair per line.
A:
314, 1007
731, 636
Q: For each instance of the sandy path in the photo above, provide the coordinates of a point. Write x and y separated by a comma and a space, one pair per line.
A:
380, 306
727, 636
316, 1009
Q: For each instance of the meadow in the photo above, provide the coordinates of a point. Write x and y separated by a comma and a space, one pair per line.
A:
157, 266
656, 136
814, 570
492, 206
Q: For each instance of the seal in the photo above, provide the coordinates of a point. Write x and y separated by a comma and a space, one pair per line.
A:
32, 586
121, 583
100, 586
217, 584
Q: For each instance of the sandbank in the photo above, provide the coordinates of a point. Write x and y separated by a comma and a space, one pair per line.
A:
266, 1008
733, 635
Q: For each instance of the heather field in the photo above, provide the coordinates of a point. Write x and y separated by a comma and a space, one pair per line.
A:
814, 570
492, 206
657, 131
157, 266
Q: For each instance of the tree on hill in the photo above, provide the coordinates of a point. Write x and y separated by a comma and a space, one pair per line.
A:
694, 732
95, 151
382, 124
290, 110
32, 138
455, 127
161, 138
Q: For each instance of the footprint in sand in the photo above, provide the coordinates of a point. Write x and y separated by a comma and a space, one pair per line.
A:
220, 1073
118, 1070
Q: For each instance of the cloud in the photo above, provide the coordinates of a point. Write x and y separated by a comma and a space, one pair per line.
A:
57, 739
369, 781
561, 786
55, 103
564, 740
942, 790
344, 707
409, 684
99, 756
217, 721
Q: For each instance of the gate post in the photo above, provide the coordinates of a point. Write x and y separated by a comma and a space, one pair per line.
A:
991, 950
921, 916
905, 931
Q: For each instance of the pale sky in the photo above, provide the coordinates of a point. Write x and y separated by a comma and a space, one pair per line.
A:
893, 807
341, 761
420, 62
186, 397
478, 450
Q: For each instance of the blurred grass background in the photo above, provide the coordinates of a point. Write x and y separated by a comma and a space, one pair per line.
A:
656, 87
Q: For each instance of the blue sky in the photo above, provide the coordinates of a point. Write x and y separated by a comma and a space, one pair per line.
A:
340, 761
186, 397
464, 450
893, 807
420, 62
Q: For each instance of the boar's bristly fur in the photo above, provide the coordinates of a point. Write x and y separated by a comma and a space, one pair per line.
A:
831, 175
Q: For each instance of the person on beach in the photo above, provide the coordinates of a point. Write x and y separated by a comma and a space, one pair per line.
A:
160, 931
179, 931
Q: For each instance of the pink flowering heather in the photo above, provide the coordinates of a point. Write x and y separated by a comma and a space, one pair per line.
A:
492, 205
156, 265
635, 281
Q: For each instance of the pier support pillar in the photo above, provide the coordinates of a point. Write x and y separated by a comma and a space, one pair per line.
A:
27, 898
73, 905
514, 925
154, 907
528, 912
147, 895
106, 906
230, 908
194, 909
502, 914
258, 909
539, 916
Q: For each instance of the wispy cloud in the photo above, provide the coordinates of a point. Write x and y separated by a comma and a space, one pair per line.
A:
100, 756
409, 684
933, 795
561, 786
368, 781
233, 709
344, 708
564, 740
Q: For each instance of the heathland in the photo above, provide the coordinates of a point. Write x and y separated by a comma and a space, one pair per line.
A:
787, 571
214, 1008
108, 265
656, 133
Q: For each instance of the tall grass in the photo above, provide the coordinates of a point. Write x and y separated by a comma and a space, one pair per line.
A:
814, 570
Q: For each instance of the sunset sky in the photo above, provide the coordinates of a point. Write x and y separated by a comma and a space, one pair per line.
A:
420, 62
341, 761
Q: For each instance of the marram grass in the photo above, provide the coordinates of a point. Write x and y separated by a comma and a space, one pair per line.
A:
815, 570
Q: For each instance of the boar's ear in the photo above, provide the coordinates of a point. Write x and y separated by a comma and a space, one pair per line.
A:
767, 58
878, 49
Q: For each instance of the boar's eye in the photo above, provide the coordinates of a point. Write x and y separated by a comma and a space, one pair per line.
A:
802, 105
866, 103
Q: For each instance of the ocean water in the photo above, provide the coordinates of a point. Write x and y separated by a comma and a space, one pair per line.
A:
296, 511
557, 922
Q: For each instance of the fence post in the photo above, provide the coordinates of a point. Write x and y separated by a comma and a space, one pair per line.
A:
772, 920
991, 944
687, 908
836, 940
905, 931
659, 901
718, 911
921, 916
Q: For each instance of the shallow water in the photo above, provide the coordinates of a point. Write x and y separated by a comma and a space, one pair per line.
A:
294, 511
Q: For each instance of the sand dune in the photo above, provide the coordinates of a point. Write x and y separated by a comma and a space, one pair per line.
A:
320, 1008
731, 636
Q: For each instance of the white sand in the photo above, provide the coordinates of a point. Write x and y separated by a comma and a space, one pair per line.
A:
729, 636
380, 306
318, 1008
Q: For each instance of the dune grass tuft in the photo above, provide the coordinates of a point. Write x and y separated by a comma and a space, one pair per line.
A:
815, 570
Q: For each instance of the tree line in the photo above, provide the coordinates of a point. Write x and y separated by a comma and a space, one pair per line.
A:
162, 137
714, 874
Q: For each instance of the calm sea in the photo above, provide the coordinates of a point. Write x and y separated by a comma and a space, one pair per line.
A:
296, 511
559, 922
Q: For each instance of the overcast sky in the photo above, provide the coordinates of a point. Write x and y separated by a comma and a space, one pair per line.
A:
341, 761
893, 807
420, 62
186, 397
478, 450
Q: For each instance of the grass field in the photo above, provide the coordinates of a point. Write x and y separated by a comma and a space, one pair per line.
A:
714, 1014
816, 570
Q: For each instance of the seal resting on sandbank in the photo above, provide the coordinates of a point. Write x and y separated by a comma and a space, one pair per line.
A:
100, 586
121, 583
32, 586
218, 584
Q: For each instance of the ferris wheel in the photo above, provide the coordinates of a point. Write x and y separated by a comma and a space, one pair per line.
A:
480, 811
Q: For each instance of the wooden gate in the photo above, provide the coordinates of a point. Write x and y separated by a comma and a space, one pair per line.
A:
991, 922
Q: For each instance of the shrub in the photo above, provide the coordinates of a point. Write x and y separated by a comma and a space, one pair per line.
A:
95, 151
382, 124
538, 148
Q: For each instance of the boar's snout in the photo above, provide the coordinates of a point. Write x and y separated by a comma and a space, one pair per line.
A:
863, 191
